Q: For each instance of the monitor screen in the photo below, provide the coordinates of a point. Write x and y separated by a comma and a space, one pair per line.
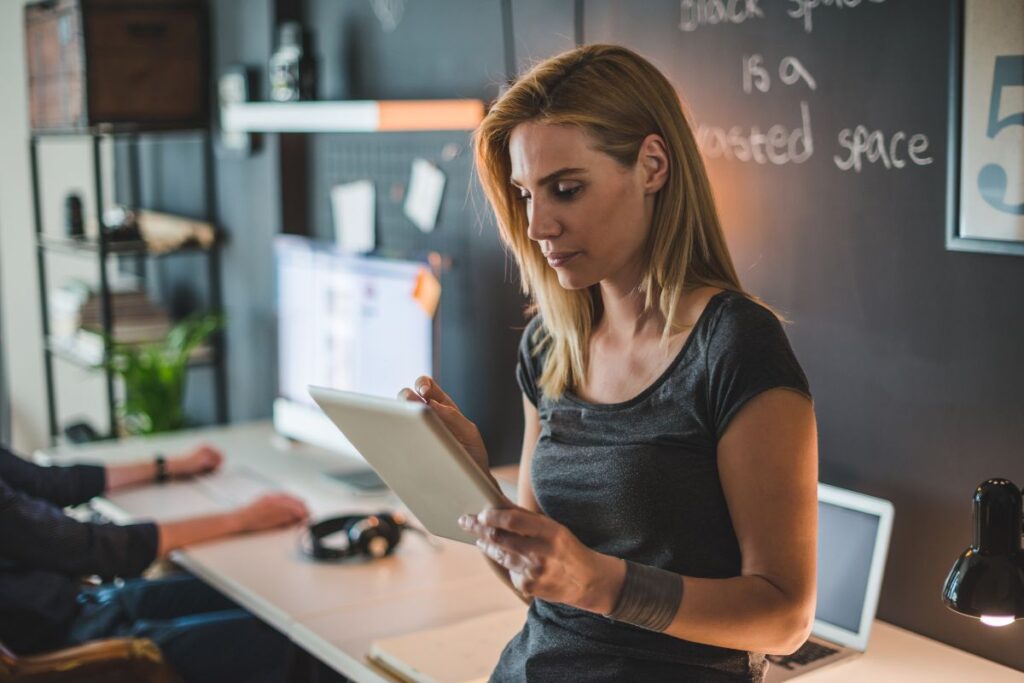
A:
846, 546
348, 322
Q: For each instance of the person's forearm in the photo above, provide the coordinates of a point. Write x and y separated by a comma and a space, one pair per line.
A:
123, 476
174, 535
742, 613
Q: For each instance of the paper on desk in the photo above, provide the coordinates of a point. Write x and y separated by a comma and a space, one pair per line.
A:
423, 200
352, 205
463, 652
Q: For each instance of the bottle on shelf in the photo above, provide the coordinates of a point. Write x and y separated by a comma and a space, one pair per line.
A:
292, 66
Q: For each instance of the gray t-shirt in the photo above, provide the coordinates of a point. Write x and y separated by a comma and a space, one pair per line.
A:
639, 480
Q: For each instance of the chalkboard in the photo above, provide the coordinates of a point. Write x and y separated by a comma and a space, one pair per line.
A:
816, 121
827, 129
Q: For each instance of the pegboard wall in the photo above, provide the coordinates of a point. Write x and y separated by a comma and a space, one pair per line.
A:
480, 314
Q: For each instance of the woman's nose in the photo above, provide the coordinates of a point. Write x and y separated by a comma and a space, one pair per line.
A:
542, 224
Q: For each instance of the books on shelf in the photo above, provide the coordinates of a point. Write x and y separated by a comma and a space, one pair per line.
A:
135, 318
76, 322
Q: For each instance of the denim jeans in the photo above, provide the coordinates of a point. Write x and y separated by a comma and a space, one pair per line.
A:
203, 635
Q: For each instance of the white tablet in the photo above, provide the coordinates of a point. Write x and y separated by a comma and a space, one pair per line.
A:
416, 456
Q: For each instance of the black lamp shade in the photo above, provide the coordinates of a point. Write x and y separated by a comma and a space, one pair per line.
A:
988, 578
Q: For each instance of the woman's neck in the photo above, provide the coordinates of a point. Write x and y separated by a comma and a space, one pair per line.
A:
623, 314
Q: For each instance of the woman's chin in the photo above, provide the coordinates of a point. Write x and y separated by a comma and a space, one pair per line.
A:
573, 280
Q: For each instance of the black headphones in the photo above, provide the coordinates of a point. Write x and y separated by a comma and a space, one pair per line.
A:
371, 536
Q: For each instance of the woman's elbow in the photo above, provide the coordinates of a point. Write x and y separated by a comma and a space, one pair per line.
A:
794, 629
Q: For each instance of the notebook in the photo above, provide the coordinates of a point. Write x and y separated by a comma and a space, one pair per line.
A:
853, 542
463, 652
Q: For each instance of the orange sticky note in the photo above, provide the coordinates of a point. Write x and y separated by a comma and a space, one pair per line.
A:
427, 291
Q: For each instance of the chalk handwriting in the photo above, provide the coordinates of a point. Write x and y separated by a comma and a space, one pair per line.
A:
755, 75
778, 145
696, 13
863, 145
803, 9
790, 72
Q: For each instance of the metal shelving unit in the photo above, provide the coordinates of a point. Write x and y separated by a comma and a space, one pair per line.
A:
103, 249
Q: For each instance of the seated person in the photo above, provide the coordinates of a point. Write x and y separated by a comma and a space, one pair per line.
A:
44, 554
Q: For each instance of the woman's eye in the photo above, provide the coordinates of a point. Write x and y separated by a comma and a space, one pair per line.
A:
567, 190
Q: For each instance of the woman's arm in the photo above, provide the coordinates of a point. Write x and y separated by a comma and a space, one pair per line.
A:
768, 467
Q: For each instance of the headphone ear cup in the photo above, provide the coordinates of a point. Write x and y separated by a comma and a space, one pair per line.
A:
374, 536
392, 528
316, 532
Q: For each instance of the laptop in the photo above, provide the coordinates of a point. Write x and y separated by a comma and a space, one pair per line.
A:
853, 541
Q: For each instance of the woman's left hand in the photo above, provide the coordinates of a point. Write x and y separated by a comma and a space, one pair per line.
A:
546, 560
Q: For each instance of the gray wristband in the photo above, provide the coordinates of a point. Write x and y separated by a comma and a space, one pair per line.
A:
650, 597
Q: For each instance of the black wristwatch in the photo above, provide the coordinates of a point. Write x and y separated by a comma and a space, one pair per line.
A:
161, 468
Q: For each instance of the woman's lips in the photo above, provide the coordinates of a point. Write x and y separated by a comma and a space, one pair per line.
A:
560, 258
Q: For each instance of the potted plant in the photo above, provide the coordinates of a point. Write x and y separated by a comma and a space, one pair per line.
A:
154, 375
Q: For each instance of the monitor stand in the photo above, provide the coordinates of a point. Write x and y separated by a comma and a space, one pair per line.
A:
362, 480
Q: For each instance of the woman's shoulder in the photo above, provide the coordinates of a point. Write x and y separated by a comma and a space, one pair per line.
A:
530, 362
738, 314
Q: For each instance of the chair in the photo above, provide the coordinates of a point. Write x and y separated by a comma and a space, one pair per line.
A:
112, 660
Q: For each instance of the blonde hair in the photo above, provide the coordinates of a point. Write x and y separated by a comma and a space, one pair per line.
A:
618, 98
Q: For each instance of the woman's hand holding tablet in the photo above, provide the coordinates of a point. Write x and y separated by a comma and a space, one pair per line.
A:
462, 428
543, 558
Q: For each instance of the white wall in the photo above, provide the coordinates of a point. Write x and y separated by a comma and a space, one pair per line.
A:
65, 166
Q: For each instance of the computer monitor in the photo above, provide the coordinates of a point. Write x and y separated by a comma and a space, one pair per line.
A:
346, 322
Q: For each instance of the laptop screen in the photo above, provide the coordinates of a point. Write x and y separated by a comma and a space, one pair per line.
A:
846, 546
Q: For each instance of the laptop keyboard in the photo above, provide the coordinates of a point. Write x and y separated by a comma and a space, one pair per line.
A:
808, 652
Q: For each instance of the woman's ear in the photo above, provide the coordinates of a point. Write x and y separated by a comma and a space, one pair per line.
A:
653, 159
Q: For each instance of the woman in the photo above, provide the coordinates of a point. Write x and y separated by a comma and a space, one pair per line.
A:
666, 523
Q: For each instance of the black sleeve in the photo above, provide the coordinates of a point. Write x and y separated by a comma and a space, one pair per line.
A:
748, 353
62, 486
36, 534
528, 365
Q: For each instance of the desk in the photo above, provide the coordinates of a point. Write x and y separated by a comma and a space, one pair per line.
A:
334, 611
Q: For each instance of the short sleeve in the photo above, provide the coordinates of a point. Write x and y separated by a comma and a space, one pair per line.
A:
748, 353
528, 366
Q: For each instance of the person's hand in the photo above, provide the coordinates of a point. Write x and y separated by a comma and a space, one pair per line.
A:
270, 511
202, 459
465, 432
545, 560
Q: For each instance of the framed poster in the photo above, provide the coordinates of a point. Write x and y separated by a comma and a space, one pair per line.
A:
986, 184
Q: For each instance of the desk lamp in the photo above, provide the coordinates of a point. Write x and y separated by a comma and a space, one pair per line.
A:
987, 581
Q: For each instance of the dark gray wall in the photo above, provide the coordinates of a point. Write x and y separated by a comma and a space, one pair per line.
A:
913, 352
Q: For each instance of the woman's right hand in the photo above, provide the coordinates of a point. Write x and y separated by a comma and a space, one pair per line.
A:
465, 432
270, 511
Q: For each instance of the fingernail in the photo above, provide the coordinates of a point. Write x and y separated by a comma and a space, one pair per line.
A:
464, 521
